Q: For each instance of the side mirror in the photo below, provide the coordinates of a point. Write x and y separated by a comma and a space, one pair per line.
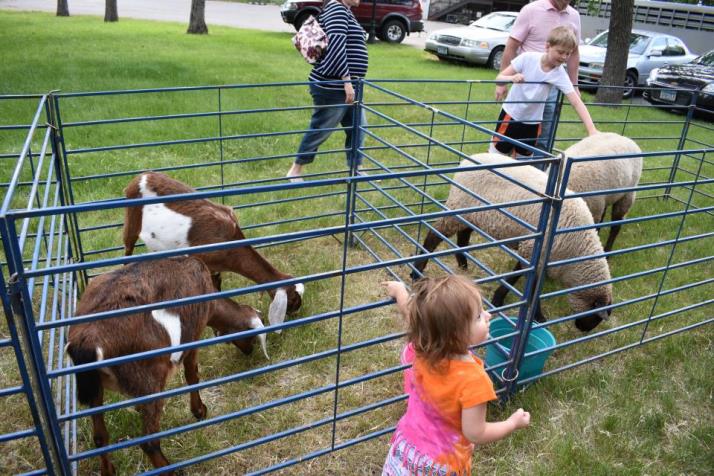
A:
587, 41
655, 53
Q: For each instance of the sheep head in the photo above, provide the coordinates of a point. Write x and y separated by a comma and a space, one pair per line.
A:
593, 299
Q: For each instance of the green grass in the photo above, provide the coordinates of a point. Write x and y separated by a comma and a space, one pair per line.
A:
645, 411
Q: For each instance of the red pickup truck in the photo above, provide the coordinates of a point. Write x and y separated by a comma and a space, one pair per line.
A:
394, 19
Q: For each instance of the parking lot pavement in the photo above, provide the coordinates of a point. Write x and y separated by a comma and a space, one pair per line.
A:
239, 15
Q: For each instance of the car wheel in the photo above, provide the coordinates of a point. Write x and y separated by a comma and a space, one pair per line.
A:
494, 60
300, 20
393, 31
630, 84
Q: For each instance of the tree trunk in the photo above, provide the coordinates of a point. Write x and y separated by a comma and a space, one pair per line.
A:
110, 10
197, 23
618, 47
62, 8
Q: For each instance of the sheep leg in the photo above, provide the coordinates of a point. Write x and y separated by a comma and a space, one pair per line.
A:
190, 368
500, 294
100, 433
463, 238
619, 210
431, 241
132, 228
151, 416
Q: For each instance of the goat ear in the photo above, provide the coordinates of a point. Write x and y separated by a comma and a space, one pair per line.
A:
278, 308
256, 323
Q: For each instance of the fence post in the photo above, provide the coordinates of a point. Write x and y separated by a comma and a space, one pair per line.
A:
27, 388
354, 155
64, 182
547, 225
682, 139
34, 376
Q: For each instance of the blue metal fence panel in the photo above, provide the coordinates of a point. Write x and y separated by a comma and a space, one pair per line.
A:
333, 379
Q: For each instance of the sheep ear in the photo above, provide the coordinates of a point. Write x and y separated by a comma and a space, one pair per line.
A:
256, 323
278, 308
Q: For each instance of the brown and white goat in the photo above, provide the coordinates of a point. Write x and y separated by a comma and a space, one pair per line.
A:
137, 284
166, 226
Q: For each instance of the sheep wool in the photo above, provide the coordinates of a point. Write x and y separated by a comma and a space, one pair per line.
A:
610, 174
495, 189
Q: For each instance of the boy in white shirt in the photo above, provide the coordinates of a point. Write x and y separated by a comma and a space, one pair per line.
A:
522, 111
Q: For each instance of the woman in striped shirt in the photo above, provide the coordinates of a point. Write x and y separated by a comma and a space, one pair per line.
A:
344, 61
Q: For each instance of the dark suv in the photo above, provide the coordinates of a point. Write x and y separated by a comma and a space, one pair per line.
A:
394, 19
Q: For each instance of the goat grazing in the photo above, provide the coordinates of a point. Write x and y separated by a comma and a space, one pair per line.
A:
165, 226
149, 282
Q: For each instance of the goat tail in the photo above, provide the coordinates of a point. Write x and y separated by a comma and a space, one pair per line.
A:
88, 382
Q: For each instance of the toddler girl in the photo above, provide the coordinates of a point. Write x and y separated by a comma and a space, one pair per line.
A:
447, 386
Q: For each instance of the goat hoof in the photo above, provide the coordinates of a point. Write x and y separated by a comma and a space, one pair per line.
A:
200, 413
463, 266
414, 275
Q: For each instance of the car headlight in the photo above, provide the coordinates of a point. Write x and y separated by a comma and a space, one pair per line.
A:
475, 44
434, 37
708, 89
597, 65
289, 6
653, 76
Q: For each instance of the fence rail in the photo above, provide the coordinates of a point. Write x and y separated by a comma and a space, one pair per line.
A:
332, 381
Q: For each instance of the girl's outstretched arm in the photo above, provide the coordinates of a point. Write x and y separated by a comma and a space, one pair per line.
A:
399, 292
582, 111
478, 431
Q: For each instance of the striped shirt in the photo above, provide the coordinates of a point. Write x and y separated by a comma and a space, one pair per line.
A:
346, 48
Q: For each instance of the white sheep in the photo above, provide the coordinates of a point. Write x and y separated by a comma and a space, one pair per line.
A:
574, 213
606, 175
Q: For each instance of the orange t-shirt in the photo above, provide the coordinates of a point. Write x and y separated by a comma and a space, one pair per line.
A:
432, 422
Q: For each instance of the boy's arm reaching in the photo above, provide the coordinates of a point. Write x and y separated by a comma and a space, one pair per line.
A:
511, 75
582, 111
478, 431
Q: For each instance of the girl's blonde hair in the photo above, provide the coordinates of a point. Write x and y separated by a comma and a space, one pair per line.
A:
563, 36
440, 312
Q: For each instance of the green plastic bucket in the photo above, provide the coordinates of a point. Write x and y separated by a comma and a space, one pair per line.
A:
538, 339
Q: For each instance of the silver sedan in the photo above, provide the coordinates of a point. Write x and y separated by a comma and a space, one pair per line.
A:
648, 50
482, 42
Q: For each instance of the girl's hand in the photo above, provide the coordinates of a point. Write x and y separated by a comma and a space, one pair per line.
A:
520, 419
394, 288
518, 78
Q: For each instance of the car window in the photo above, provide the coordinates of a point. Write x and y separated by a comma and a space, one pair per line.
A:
674, 48
707, 59
495, 21
638, 43
659, 44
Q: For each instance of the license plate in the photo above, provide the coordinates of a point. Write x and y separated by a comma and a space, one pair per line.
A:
442, 50
666, 95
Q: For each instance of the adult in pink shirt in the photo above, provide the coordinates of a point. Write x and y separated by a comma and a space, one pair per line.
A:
529, 33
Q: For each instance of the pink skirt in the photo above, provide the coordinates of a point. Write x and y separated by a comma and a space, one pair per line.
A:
404, 459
